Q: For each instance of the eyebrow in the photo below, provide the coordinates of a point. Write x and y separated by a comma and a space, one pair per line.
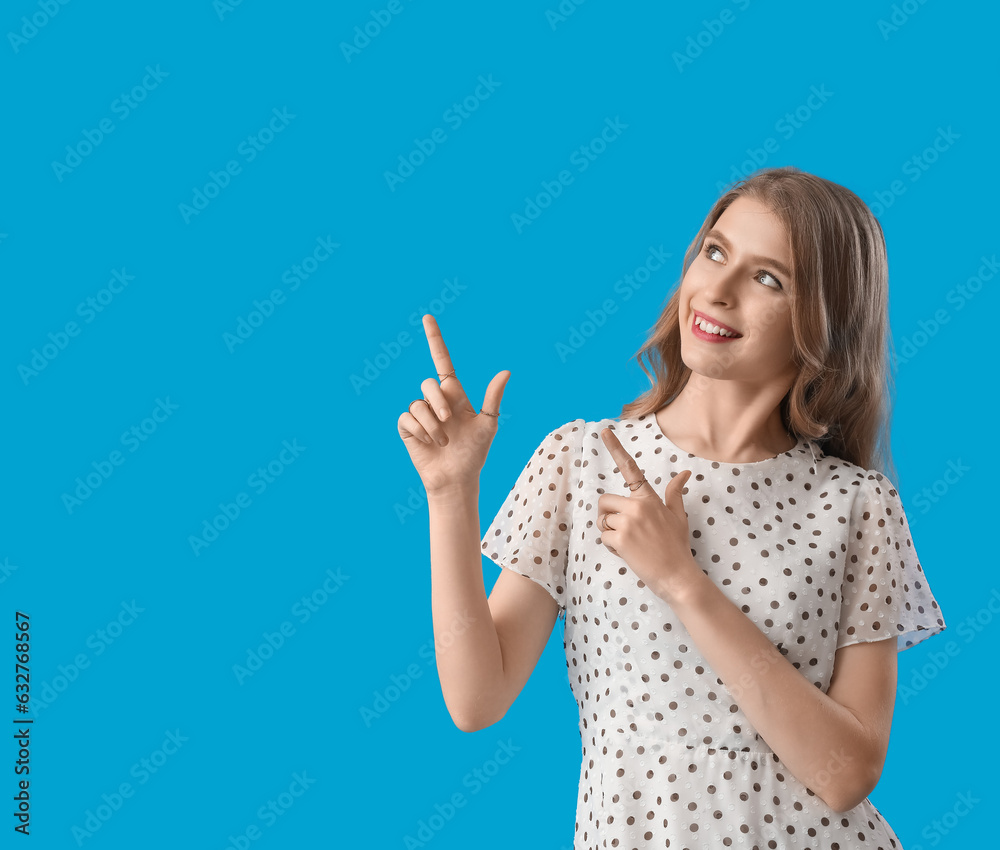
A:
781, 267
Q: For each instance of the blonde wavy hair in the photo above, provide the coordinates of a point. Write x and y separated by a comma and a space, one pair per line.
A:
843, 395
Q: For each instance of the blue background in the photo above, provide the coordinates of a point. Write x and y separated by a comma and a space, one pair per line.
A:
328, 370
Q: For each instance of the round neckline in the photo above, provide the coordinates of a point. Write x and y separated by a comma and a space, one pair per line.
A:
658, 432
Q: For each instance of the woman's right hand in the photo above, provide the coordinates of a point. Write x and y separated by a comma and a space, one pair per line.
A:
448, 440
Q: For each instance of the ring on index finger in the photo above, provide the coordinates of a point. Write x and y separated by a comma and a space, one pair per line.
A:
635, 485
443, 378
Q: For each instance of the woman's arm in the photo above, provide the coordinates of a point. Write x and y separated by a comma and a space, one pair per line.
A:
485, 649
834, 743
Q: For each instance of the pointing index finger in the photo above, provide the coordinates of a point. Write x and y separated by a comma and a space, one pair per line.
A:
627, 466
439, 351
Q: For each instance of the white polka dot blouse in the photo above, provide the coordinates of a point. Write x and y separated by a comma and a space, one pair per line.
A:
815, 550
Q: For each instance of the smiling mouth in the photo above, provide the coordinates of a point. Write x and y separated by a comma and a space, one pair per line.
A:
703, 329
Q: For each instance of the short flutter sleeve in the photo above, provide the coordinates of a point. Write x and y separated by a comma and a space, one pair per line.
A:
531, 532
884, 592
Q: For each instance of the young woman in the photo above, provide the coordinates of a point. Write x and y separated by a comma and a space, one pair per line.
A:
735, 572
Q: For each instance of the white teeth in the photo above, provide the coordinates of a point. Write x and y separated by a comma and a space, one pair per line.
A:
712, 329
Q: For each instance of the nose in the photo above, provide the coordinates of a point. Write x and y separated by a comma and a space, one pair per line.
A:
720, 287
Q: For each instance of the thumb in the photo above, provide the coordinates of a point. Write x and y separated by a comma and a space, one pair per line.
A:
672, 497
494, 392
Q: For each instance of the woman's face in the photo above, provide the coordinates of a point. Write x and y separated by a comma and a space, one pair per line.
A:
741, 280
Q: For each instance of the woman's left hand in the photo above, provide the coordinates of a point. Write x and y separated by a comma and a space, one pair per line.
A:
649, 534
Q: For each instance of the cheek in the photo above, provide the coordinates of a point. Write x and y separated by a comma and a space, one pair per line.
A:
686, 288
775, 321
782, 341
773, 331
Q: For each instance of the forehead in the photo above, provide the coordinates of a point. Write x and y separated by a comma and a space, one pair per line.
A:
747, 220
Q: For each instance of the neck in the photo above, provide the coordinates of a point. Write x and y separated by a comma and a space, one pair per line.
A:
729, 421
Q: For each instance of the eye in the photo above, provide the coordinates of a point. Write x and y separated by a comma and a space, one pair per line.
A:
711, 250
765, 274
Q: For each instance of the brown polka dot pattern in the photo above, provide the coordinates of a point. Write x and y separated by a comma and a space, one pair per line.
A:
815, 550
